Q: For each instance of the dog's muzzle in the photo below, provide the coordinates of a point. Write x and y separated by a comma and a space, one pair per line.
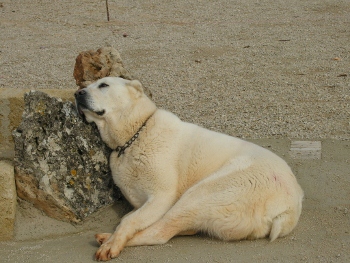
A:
82, 103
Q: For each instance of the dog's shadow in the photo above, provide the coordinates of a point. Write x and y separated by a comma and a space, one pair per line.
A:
94, 243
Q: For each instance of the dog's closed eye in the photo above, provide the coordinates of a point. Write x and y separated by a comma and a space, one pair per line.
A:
103, 85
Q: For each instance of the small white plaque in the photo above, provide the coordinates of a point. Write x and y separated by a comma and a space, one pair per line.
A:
305, 150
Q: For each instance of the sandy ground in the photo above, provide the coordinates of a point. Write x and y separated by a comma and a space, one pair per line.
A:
322, 235
259, 69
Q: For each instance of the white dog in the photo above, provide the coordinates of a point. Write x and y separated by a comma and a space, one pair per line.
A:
181, 178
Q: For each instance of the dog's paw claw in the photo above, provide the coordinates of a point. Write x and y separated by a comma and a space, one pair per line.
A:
105, 253
102, 238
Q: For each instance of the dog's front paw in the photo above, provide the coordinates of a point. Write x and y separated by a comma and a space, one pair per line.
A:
107, 251
102, 238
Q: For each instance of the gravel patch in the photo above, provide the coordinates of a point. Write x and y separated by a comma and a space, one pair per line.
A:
253, 69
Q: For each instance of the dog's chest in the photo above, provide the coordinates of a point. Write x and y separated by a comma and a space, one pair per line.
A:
131, 177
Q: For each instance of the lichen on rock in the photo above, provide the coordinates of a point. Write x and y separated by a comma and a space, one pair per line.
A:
61, 163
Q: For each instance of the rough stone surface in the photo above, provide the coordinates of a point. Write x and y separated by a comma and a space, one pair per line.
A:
93, 65
61, 163
11, 109
7, 200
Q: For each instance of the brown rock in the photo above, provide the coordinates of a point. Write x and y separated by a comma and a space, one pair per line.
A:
93, 65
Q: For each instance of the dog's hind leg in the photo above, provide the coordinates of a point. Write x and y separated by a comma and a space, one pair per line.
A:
226, 214
187, 233
187, 216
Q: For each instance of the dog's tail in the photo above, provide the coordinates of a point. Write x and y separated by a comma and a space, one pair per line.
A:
285, 222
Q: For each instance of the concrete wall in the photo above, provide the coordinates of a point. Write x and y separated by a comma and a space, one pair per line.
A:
8, 200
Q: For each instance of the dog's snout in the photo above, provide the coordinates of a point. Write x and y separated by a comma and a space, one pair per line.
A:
80, 92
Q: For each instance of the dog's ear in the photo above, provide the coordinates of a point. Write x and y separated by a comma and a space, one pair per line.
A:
136, 86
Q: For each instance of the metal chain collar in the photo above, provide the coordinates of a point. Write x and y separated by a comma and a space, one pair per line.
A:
121, 149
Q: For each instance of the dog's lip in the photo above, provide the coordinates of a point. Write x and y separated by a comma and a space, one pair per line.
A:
100, 113
81, 107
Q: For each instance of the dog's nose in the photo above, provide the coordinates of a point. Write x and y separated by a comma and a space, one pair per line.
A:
80, 92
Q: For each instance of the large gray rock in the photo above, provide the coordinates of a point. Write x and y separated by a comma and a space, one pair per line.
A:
61, 163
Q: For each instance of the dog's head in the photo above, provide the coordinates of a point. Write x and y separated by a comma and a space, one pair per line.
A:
106, 96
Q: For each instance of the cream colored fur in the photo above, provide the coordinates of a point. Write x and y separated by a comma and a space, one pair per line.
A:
182, 179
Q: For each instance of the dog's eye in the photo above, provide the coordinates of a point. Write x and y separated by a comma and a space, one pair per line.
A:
103, 85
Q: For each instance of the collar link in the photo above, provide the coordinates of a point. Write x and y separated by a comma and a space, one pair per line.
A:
121, 149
